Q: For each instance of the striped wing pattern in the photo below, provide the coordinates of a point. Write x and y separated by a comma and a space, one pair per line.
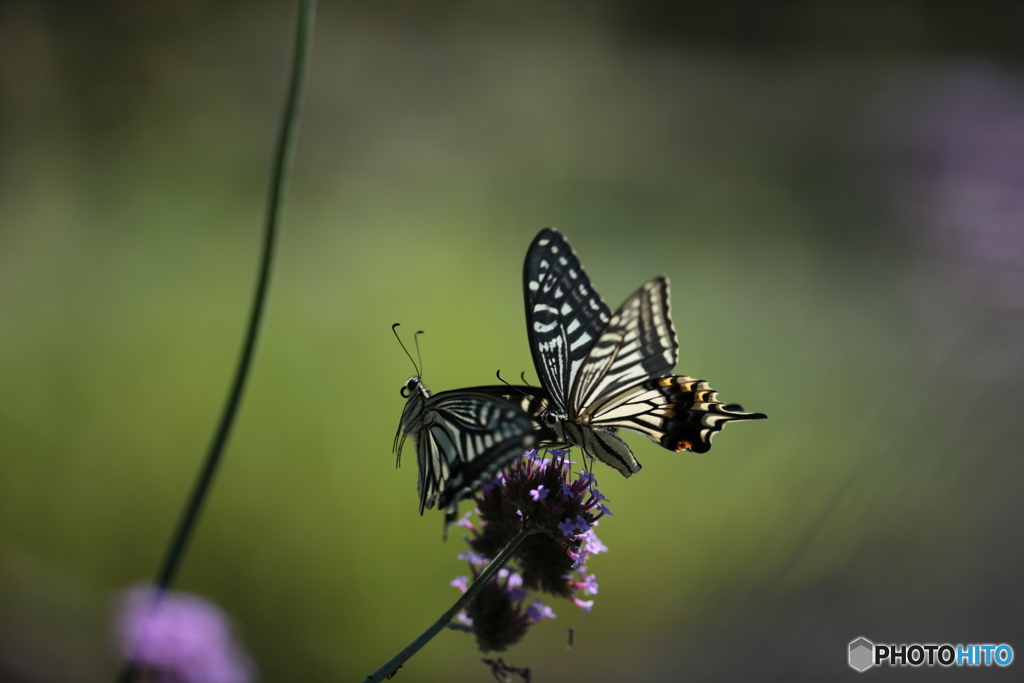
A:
637, 343
564, 314
534, 401
607, 372
680, 413
599, 373
462, 437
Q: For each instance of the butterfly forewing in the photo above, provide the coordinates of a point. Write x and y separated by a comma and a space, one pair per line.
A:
564, 314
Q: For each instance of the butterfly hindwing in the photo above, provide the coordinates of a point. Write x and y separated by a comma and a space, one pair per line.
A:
677, 412
462, 437
491, 433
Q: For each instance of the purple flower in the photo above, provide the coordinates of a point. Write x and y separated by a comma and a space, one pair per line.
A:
538, 610
588, 584
474, 559
500, 614
954, 147
539, 461
592, 544
587, 477
514, 580
538, 494
584, 605
179, 637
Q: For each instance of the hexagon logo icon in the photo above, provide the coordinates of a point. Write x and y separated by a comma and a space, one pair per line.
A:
862, 654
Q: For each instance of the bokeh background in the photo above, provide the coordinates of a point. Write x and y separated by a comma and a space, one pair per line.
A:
836, 192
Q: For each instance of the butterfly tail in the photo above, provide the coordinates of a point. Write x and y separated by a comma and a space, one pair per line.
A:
693, 413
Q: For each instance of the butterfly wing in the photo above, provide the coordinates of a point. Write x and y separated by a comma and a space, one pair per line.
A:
635, 344
564, 315
534, 401
463, 439
680, 413
625, 383
604, 372
638, 343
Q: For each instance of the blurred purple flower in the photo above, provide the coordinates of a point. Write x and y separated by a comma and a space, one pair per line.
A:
502, 612
956, 147
537, 493
179, 638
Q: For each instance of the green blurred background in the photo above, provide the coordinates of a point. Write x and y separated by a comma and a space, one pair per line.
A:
836, 195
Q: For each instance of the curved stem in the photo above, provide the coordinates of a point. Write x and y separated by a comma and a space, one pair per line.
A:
280, 171
393, 664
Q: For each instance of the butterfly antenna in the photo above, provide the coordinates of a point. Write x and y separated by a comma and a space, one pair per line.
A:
533, 399
522, 376
416, 340
419, 372
512, 386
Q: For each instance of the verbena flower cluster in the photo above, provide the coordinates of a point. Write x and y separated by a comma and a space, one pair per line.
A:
539, 494
179, 638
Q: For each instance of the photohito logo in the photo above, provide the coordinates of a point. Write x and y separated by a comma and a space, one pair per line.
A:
863, 654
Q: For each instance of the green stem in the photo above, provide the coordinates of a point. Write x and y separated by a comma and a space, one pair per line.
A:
280, 172
279, 175
393, 664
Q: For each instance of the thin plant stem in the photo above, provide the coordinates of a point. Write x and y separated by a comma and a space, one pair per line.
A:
393, 664
278, 182
280, 171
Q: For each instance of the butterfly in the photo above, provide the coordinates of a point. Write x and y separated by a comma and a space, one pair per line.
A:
462, 438
602, 371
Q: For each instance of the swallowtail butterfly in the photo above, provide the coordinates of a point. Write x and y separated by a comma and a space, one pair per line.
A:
462, 438
601, 372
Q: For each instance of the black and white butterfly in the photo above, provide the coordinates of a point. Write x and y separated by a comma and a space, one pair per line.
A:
600, 372
462, 438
